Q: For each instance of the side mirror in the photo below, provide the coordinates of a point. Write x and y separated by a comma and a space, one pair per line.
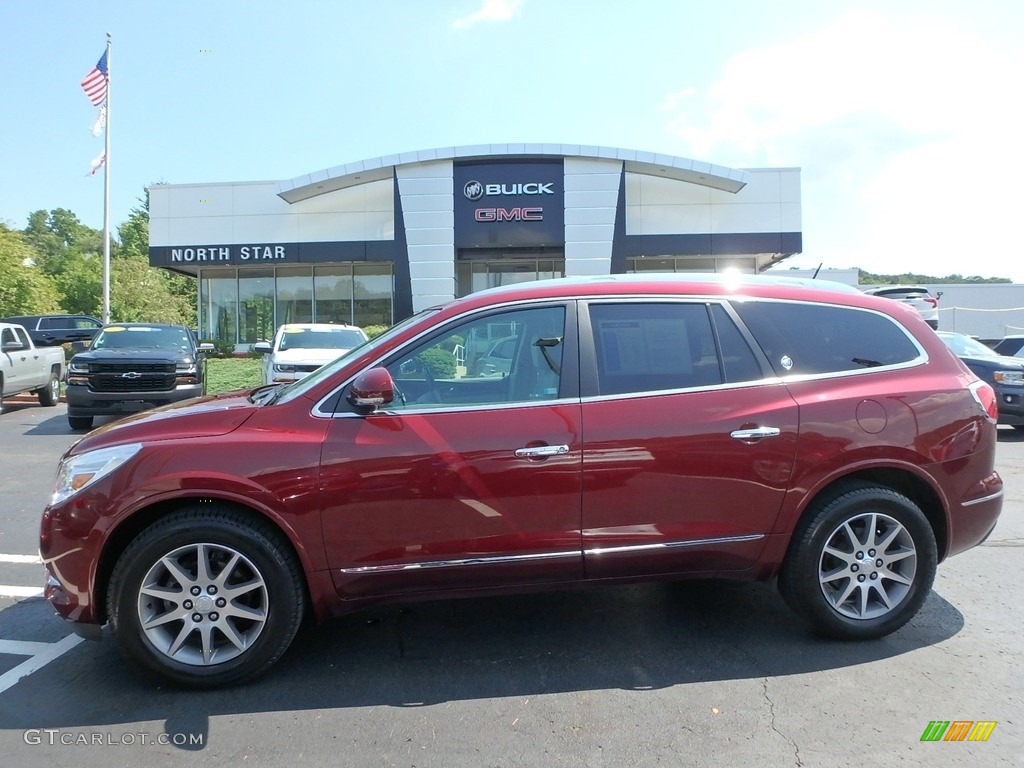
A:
372, 388
13, 346
263, 347
206, 347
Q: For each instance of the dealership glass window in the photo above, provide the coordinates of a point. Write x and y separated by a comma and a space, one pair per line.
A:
668, 263
256, 305
294, 295
477, 274
332, 289
373, 292
218, 305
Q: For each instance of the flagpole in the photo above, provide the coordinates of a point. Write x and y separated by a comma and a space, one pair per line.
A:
106, 198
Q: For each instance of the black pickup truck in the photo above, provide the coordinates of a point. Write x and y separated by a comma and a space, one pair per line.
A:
132, 367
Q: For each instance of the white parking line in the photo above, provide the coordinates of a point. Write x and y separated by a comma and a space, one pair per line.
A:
46, 653
8, 590
20, 559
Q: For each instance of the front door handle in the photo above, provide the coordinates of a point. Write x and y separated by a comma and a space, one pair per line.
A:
755, 434
541, 451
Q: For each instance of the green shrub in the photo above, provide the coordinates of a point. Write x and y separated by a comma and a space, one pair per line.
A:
440, 363
372, 331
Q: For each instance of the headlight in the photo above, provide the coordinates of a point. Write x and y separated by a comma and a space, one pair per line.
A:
81, 471
1012, 378
283, 368
186, 367
78, 367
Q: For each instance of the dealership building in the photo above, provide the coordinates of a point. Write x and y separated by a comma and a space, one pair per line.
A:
374, 241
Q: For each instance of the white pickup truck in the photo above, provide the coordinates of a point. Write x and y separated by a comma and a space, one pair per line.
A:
24, 367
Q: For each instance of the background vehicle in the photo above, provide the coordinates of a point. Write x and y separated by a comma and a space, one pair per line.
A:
299, 349
649, 427
1004, 374
54, 330
26, 368
131, 367
1009, 345
916, 296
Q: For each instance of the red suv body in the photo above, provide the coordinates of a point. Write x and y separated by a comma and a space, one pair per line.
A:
647, 428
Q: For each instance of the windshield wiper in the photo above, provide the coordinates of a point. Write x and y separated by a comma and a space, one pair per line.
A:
866, 363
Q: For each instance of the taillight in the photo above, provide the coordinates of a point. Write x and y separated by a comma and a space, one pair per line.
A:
931, 300
985, 396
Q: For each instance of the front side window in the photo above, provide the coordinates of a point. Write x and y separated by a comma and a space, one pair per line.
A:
506, 357
805, 339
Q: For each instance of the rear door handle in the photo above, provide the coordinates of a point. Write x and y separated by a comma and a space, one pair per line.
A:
541, 451
755, 434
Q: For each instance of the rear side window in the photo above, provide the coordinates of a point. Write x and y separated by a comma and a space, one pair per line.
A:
650, 347
801, 339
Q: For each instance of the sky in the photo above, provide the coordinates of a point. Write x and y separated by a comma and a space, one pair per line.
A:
903, 117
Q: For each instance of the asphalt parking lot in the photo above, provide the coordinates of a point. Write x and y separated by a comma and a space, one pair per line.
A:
698, 673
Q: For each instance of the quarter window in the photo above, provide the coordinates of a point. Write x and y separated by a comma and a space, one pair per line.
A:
802, 339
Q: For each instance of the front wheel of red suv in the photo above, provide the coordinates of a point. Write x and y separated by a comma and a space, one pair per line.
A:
862, 564
206, 597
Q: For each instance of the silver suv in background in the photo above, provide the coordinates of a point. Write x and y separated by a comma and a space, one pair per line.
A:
916, 296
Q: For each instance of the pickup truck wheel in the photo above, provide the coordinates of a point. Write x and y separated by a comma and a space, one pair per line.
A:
50, 394
206, 597
80, 422
862, 565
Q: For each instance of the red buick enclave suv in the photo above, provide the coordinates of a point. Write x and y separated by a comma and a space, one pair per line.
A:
647, 427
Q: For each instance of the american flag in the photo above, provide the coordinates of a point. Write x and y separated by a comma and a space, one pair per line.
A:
95, 83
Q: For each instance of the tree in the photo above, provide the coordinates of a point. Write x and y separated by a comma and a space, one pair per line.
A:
24, 289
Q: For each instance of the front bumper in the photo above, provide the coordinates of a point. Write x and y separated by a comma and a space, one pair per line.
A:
1011, 404
82, 401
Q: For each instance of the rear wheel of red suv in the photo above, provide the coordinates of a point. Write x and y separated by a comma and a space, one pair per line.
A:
862, 564
206, 597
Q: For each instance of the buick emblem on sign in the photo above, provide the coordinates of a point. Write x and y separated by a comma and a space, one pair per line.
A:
473, 190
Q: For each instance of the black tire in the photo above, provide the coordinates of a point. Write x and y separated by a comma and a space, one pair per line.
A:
245, 557
50, 394
80, 423
879, 544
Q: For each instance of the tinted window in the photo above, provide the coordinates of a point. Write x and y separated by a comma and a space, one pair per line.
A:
458, 367
815, 338
650, 347
738, 361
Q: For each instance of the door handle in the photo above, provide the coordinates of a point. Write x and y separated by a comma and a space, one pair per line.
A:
541, 451
755, 434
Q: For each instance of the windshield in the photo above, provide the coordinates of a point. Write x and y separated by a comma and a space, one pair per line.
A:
307, 338
966, 346
141, 337
303, 385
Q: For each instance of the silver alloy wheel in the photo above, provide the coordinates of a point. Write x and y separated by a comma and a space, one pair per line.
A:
54, 385
203, 604
867, 566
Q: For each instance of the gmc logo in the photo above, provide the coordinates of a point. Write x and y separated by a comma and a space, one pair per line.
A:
509, 214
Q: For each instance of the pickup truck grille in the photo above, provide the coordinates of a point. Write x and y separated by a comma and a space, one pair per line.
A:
131, 377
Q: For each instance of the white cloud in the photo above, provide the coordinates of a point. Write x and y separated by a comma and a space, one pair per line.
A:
904, 129
491, 10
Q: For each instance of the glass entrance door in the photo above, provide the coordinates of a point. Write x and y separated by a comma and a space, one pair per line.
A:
475, 273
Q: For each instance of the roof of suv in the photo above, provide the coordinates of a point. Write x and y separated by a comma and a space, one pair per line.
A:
712, 284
